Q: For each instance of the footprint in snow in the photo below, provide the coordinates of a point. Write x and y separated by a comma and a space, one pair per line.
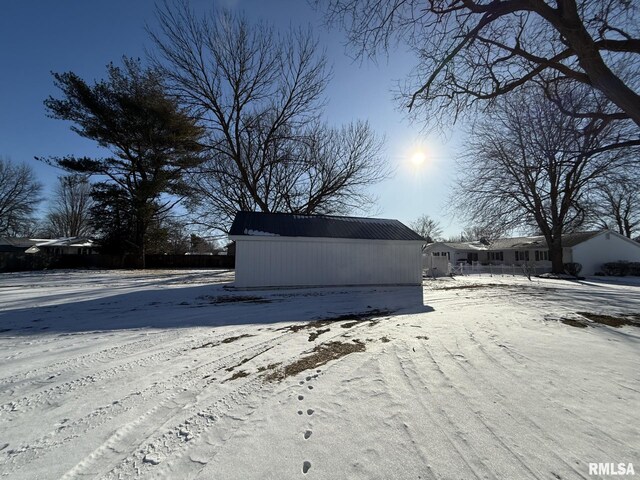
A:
310, 411
306, 466
300, 397
307, 434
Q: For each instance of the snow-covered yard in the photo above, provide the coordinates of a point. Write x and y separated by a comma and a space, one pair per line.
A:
168, 374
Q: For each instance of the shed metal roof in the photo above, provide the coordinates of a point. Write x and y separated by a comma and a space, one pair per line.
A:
257, 224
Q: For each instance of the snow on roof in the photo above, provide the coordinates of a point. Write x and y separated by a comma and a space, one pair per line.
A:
258, 233
64, 242
514, 243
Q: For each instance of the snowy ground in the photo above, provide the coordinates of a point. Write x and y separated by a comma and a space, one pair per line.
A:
169, 374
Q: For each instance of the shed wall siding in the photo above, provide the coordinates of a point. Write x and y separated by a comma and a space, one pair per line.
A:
273, 262
604, 248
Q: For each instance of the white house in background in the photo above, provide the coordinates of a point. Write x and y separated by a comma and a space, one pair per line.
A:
52, 246
277, 250
590, 249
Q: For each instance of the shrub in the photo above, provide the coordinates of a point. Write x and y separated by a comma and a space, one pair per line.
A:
621, 268
573, 268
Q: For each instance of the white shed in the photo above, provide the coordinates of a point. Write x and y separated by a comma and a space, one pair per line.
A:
277, 250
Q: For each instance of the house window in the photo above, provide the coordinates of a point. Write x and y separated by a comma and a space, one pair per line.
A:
522, 255
436, 254
542, 255
496, 256
472, 257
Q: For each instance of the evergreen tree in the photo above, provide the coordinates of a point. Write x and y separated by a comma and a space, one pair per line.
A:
151, 143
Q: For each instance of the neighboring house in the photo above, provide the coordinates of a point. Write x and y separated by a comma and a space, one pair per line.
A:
15, 245
55, 246
276, 249
590, 249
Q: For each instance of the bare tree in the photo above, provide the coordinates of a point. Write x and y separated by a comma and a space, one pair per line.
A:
530, 165
616, 203
19, 198
487, 232
427, 227
472, 50
260, 97
70, 208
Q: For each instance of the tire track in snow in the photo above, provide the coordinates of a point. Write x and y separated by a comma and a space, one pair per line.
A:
192, 379
507, 411
476, 427
199, 418
88, 359
568, 384
55, 393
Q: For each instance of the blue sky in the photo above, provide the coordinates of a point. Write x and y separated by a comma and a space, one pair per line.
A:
40, 36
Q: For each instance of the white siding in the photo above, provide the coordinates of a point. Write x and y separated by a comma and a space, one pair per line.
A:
603, 248
286, 261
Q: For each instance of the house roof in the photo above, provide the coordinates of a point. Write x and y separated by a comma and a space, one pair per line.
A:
522, 243
9, 244
256, 224
64, 242
17, 242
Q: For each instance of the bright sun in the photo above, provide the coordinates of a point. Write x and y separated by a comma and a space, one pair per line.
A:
418, 157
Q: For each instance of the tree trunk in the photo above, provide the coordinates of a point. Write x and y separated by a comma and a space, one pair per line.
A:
141, 230
555, 255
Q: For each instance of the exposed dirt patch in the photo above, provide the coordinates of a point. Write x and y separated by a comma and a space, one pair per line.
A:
588, 319
350, 324
356, 318
573, 322
317, 333
320, 355
475, 286
233, 339
220, 299
385, 340
422, 337
238, 374
245, 360
613, 321
271, 366
226, 340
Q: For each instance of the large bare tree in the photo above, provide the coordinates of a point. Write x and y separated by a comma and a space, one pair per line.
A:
529, 165
19, 198
69, 212
472, 50
259, 94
